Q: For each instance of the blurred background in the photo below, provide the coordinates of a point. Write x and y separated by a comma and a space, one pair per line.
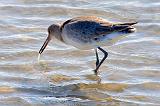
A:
64, 77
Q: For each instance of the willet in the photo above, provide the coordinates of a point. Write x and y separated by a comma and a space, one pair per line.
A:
89, 32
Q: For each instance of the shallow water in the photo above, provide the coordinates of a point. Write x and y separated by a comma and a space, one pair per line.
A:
64, 77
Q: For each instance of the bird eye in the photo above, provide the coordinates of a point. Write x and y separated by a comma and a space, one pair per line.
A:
49, 31
95, 38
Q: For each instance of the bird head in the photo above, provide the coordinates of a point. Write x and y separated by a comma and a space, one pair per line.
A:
53, 30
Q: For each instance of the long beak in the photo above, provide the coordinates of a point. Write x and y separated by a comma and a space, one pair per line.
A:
45, 44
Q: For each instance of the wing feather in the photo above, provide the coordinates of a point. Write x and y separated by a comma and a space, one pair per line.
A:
93, 26
107, 29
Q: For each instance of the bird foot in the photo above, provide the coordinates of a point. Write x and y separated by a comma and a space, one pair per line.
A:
96, 72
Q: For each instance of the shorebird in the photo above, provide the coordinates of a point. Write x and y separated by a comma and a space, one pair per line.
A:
89, 32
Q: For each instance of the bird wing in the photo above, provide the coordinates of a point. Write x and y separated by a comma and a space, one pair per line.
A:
86, 19
110, 28
93, 26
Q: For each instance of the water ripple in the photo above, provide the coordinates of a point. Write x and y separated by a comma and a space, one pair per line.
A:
64, 76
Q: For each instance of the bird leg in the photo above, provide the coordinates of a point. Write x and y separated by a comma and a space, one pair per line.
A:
105, 56
97, 58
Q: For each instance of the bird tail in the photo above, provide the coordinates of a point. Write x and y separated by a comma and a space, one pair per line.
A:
129, 24
124, 27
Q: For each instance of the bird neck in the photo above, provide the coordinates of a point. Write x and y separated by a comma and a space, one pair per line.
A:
57, 34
